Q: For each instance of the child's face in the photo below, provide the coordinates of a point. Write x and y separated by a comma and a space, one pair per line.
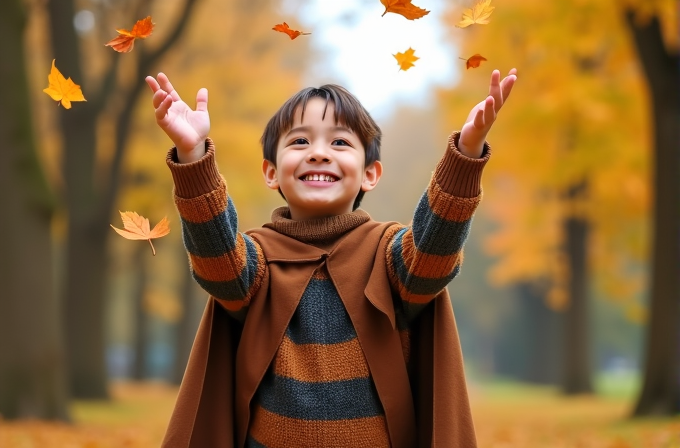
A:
320, 165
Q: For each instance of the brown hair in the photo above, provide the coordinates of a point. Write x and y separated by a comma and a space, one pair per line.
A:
348, 110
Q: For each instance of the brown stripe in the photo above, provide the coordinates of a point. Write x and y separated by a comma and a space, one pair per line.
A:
448, 207
225, 267
422, 264
418, 299
316, 363
204, 209
458, 174
277, 431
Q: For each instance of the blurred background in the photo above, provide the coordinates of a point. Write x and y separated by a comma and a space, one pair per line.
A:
568, 303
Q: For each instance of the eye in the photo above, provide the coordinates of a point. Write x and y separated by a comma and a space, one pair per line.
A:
299, 141
340, 142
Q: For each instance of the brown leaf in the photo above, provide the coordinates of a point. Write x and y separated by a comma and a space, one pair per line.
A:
126, 39
404, 8
406, 59
62, 89
479, 14
137, 227
473, 61
284, 28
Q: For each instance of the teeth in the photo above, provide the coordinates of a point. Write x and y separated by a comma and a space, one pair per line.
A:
321, 177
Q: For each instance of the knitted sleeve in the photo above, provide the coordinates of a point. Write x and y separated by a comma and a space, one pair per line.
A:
226, 263
424, 257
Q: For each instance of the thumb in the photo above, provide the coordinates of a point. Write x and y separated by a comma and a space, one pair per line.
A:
202, 100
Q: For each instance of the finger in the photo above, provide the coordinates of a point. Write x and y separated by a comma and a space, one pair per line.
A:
495, 88
151, 81
479, 119
167, 86
158, 97
163, 107
507, 83
489, 111
202, 100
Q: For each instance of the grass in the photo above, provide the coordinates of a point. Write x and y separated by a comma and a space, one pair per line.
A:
507, 415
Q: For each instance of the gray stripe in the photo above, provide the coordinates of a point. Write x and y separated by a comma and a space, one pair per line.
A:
212, 238
413, 283
434, 235
237, 288
337, 400
320, 317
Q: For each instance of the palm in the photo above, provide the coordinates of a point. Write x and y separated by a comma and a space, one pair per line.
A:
187, 128
482, 116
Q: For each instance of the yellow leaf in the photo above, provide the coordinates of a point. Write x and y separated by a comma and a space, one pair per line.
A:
479, 14
62, 89
137, 227
406, 59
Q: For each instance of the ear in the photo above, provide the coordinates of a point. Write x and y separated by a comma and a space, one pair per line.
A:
270, 174
372, 174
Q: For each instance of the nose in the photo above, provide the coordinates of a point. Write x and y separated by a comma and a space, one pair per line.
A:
318, 154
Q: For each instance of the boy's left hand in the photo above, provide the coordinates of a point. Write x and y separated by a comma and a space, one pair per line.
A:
482, 116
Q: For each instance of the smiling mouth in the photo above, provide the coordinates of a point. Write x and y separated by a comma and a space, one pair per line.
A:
319, 177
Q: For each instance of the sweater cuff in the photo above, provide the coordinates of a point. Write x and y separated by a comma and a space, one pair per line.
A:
459, 175
196, 178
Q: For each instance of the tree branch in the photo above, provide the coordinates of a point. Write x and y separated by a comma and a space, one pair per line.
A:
124, 118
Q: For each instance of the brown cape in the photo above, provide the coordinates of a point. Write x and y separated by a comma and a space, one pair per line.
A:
425, 403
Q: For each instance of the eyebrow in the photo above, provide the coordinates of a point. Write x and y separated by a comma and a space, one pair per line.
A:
307, 128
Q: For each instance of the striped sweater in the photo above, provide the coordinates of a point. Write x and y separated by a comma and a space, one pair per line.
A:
318, 390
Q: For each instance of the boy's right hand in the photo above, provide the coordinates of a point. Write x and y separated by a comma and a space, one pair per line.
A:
187, 128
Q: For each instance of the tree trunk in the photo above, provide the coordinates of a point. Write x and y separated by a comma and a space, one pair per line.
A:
32, 377
660, 393
577, 365
188, 322
141, 317
90, 201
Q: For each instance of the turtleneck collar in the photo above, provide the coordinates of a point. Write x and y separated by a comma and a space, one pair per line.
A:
316, 231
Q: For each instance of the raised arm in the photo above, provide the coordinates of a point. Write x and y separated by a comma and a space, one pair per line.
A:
425, 256
228, 264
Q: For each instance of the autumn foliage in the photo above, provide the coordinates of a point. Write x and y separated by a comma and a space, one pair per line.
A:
62, 89
406, 59
404, 8
125, 41
284, 28
137, 227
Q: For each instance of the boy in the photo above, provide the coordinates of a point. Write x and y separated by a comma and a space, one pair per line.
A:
324, 328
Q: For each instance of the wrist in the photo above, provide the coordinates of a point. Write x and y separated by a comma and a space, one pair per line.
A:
191, 155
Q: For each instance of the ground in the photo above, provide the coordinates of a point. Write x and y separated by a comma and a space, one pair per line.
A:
507, 415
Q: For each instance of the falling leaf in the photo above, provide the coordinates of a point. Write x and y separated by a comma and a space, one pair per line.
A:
62, 89
405, 8
479, 14
126, 39
406, 59
284, 28
137, 228
473, 61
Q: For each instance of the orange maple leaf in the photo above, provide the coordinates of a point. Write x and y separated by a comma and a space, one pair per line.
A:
478, 14
405, 8
126, 39
62, 89
406, 59
284, 28
137, 227
473, 61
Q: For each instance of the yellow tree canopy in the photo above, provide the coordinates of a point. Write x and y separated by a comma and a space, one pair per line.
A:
578, 112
